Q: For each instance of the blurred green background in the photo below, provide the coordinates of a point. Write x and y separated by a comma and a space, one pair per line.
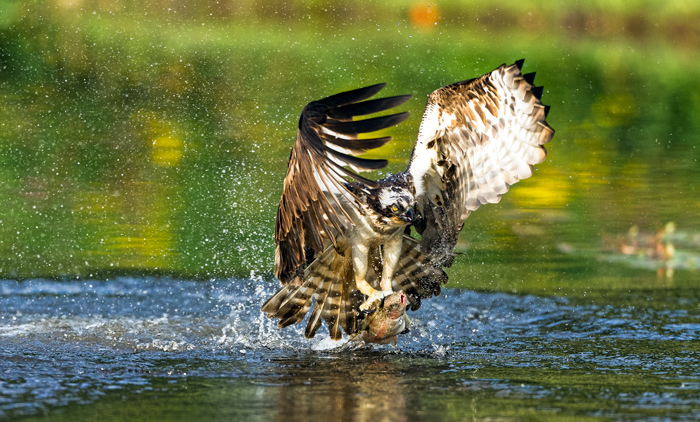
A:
151, 137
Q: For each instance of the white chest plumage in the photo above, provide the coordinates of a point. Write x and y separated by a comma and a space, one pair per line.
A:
371, 230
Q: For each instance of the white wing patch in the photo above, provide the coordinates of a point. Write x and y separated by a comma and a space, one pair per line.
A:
476, 139
491, 127
425, 158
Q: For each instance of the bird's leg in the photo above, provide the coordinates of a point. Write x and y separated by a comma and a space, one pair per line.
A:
359, 263
391, 253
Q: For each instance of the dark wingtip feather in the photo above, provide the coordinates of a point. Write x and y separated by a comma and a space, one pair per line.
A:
367, 107
357, 177
367, 125
363, 163
519, 63
357, 146
354, 96
530, 78
537, 92
546, 111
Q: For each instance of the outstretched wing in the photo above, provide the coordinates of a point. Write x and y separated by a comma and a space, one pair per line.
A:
476, 138
327, 140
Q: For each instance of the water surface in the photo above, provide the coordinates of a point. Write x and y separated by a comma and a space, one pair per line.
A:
177, 350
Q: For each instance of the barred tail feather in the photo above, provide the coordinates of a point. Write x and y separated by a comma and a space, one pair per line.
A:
416, 275
348, 317
288, 301
329, 280
273, 304
321, 296
337, 307
292, 301
294, 307
344, 318
334, 311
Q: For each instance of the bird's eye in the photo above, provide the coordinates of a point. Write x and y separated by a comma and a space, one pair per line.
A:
394, 208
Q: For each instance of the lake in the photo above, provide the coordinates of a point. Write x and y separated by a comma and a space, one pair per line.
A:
163, 349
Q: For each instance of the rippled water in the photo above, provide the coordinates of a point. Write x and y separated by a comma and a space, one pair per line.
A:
175, 350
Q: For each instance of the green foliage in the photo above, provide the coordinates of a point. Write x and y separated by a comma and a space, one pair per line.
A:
141, 138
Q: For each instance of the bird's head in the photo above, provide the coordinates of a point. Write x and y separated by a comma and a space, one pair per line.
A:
396, 206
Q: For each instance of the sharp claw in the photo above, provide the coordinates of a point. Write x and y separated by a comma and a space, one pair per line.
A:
369, 311
376, 300
406, 331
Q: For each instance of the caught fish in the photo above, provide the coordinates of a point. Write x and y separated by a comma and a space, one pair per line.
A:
386, 322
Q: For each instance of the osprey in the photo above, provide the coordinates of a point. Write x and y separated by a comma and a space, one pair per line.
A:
348, 244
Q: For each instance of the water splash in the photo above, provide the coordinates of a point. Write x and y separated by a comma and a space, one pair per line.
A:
65, 343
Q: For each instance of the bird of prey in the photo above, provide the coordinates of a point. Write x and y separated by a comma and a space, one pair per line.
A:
344, 242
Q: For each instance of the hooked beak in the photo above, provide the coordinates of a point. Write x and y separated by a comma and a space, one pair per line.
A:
409, 215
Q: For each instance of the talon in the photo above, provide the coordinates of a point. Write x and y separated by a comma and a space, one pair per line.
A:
406, 331
381, 303
369, 311
374, 299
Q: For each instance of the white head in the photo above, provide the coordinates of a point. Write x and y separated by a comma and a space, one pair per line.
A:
394, 205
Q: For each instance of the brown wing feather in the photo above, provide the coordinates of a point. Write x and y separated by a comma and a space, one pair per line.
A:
416, 275
476, 138
327, 140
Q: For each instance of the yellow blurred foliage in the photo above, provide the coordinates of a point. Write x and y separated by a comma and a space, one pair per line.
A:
612, 110
162, 136
129, 226
550, 190
635, 174
166, 151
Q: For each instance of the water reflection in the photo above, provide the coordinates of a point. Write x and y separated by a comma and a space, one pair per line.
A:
182, 350
364, 387
664, 250
158, 144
